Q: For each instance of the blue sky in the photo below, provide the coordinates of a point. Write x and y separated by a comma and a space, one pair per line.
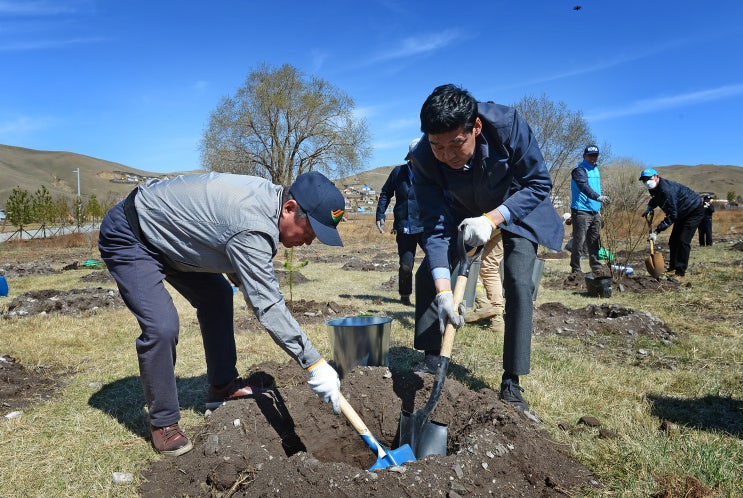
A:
134, 81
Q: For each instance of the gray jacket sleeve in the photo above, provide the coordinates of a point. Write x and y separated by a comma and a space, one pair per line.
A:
252, 254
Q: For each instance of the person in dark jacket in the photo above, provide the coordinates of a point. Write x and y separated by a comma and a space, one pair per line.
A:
684, 210
705, 226
479, 166
407, 228
585, 210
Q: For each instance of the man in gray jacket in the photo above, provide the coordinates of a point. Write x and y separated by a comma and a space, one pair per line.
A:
189, 231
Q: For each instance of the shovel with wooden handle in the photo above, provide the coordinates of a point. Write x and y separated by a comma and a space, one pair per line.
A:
654, 263
425, 436
385, 457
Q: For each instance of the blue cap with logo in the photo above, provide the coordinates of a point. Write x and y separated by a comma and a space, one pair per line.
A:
324, 204
647, 173
590, 150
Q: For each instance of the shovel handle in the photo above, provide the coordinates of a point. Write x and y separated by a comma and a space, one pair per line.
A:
360, 426
465, 263
447, 343
652, 248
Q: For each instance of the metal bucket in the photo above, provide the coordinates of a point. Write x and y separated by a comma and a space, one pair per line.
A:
536, 277
359, 341
598, 287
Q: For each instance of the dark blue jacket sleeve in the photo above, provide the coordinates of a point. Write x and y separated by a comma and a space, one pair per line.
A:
387, 192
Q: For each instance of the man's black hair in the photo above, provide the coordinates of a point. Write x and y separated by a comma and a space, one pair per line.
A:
448, 108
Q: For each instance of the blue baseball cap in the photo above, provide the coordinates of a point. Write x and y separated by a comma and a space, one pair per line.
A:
647, 173
324, 204
591, 149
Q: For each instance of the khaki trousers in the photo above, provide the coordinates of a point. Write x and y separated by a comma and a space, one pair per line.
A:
492, 255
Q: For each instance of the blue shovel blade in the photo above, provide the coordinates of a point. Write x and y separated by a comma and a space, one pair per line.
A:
401, 455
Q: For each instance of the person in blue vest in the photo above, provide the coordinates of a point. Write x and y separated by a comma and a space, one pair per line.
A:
585, 210
478, 166
407, 228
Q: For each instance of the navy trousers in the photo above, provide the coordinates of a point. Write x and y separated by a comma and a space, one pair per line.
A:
140, 273
519, 255
406, 247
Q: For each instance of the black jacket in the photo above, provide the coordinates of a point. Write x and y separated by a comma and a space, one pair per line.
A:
399, 184
676, 200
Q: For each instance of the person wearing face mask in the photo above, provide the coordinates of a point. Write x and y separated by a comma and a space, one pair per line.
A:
585, 210
478, 167
683, 209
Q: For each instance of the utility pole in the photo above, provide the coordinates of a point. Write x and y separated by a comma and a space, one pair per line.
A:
78, 180
77, 201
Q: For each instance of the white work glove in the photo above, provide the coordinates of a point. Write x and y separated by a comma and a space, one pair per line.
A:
325, 383
604, 199
380, 223
445, 307
652, 236
477, 231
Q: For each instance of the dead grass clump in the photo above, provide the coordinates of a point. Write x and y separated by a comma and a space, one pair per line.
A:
676, 487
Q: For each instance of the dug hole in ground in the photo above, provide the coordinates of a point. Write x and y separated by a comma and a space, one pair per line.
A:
286, 442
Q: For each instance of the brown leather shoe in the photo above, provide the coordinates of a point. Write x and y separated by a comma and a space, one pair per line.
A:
237, 389
170, 441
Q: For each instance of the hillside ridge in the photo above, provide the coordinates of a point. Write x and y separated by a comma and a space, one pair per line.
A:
57, 170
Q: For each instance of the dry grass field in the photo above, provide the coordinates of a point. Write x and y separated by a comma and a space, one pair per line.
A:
674, 411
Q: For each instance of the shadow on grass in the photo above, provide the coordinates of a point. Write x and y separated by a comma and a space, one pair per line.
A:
707, 413
123, 400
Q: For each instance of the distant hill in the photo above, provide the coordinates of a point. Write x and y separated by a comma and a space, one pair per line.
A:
706, 178
29, 169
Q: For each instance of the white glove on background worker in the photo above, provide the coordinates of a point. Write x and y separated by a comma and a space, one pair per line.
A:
652, 236
604, 199
445, 307
380, 223
325, 383
477, 230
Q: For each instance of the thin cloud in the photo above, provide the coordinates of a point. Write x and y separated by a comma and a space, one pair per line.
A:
419, 45
37, 8
317, 59
648, 106
608, 64
22, 125
25, 46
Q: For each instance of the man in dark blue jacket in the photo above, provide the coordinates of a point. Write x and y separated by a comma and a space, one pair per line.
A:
406, 225
684, 210
478, 165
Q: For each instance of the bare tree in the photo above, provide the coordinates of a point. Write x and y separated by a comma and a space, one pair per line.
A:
624, 230
562, 134
282, 123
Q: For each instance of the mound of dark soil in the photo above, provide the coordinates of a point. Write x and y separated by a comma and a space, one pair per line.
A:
70, 302
287, 443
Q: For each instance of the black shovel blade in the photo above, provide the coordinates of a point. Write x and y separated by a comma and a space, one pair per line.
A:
425, 437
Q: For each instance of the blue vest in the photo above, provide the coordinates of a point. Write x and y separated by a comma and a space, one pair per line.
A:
580, 200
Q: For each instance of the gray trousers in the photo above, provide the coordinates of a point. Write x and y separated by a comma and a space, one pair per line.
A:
586, 230
140, 273
519, 255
